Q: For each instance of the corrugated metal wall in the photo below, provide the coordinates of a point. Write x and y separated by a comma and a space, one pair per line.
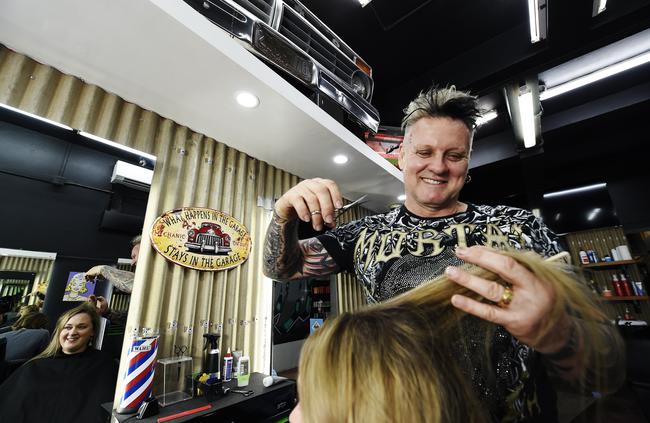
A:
191, 170
351, 294
42, 267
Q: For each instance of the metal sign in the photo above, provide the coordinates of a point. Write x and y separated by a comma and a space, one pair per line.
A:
201, 238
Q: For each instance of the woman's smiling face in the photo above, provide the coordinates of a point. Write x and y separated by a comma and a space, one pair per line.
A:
76, 334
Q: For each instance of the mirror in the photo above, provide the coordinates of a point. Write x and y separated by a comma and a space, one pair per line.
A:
65, 210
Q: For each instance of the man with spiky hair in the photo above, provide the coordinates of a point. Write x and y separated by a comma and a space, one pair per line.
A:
434, 232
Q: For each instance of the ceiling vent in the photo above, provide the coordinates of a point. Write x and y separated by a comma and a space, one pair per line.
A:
132, 176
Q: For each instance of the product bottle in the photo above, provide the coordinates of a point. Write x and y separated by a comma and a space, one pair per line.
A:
584, 258
628, 314
617, 286
227, 366
244, 372
627, 287
211, 354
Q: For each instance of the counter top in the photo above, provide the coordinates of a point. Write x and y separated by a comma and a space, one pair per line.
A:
279, 398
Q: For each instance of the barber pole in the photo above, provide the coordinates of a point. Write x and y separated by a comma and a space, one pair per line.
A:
139, 374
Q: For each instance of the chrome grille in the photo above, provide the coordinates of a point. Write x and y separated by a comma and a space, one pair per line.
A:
262, 9
321, 27
210, 240
299, 31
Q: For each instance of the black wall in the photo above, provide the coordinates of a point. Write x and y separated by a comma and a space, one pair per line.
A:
54, 195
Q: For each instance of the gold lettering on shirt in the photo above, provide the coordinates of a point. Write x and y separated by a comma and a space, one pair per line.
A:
461, 234
495, 237
372, 248
395, 249
365, 246
424, 238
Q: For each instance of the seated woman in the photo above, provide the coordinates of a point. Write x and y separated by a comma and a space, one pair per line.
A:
27, 337
416, 358
65, 383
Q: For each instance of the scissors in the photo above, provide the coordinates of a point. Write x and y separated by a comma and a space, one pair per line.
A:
180, 350
244, 393
347, 207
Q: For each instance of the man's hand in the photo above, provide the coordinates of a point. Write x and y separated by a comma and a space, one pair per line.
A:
96, 272
532, 300
312, 200
100, 303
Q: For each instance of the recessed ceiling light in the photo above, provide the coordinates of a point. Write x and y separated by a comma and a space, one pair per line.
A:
340, 159
246, 99
401, 197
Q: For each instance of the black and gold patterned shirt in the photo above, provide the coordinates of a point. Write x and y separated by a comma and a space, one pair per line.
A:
393, 252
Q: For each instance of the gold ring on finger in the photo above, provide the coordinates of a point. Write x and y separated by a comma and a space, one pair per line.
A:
506, 297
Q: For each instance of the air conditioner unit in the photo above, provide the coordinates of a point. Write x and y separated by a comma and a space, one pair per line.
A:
132, 176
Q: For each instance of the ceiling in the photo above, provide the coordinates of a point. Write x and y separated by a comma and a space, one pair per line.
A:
478, 45
593, 134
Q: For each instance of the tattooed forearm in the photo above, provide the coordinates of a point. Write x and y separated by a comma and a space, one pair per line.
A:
287, 258
316, 259
282, 255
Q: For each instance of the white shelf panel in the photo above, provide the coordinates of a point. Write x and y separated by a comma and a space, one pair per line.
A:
163, 56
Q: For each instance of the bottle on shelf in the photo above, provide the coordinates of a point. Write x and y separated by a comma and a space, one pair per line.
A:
626, 285
616, 284
584, 258
628, 314
227, 366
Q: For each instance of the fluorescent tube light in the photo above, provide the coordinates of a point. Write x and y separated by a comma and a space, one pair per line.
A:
575, 190
533, 18
599, 7
603, 73
486, 117
527, 117
401, 197
10, 252
37, 117
364, 3
116, 145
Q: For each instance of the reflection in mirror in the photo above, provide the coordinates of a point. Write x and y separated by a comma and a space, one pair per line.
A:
299, 308
82, 200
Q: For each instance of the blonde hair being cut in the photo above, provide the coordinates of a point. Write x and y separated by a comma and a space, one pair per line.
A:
398, 361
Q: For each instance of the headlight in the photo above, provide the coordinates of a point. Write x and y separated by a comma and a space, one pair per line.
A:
361, 84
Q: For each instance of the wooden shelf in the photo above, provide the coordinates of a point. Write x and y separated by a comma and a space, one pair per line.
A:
636, 298
606, 264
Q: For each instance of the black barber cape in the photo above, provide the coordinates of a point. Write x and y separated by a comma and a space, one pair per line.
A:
65, 388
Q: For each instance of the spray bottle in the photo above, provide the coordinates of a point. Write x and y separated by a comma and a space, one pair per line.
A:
211, 354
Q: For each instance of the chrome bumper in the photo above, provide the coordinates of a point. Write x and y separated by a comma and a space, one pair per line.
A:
267, 43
